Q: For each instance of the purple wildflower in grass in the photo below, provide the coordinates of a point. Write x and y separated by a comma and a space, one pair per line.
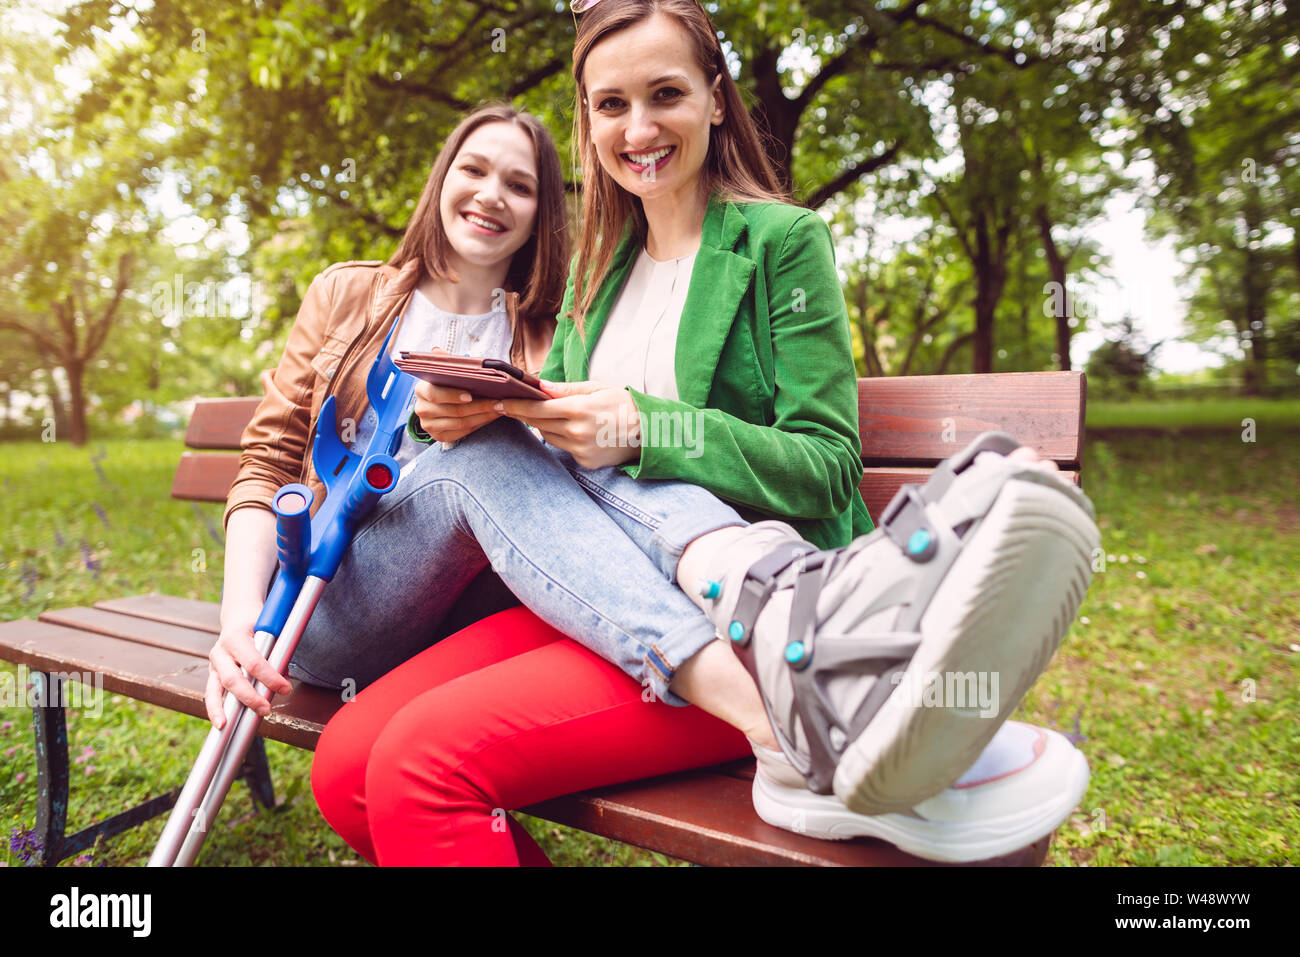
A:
6, 726
29, 578
1076, 737
20, 777
95, 460
91, 563
203, 517
25, 844
100, 512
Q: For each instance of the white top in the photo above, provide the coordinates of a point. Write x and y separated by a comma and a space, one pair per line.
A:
639, 341
425, 326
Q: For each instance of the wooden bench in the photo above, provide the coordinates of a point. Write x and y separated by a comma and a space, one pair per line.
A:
154, 647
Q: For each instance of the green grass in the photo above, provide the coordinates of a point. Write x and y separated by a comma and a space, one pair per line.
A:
1182, 669
1180, 675
1208, 413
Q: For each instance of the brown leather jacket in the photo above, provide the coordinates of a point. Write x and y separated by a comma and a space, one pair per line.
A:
348, 310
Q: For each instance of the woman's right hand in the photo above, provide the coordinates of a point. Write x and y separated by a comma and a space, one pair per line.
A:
449, 414
235, 649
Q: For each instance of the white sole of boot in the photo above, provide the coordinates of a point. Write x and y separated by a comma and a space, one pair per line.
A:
982, 836
1000, 615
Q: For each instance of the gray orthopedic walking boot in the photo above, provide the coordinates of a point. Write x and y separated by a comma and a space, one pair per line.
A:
888, 665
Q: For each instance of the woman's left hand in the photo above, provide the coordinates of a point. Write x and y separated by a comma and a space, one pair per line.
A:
595, 423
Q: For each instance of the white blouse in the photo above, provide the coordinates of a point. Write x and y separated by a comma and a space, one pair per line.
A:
425, 326
639, 341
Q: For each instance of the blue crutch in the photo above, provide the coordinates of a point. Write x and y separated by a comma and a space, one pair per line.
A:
310, 550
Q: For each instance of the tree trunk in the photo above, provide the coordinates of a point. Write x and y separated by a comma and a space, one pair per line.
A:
774, 111
1295, 246
988, 290
75, 369
1056, 266
1255, 285
990, 266
923, 326
58, 405
870, 357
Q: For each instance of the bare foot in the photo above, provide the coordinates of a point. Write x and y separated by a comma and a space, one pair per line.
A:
1031, 458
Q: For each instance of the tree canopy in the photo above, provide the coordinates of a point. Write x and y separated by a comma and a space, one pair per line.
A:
961, 151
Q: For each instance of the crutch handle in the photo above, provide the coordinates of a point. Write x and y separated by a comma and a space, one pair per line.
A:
292, 507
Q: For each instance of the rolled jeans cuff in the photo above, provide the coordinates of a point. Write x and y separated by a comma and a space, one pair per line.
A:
681, 528
667, 654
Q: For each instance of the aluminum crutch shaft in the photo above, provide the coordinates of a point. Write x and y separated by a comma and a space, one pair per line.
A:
196, 785
242, 739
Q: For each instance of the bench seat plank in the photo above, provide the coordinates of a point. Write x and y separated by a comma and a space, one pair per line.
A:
709, 818
170, 679
188, 641
184, 612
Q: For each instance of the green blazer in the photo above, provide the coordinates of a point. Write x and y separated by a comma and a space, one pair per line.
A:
764, 370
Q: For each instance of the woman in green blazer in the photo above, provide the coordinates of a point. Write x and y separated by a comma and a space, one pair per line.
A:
763, 291
722, 502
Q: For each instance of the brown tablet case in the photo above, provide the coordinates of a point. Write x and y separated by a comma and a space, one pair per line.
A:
500, 380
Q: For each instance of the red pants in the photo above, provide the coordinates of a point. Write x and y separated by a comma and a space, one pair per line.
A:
423, 766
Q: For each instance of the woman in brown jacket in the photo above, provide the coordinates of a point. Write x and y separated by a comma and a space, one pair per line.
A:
480, 271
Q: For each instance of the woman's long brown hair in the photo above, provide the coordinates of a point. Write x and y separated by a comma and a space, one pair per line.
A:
537, 270
737, 167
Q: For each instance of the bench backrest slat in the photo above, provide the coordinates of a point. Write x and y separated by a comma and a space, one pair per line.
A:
908, 425
204, 476
219, 423
921, 420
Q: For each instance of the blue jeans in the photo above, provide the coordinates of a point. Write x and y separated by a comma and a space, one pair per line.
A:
590, 551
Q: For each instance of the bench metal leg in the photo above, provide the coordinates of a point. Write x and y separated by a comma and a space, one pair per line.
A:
51, 730
257, 772
49, 724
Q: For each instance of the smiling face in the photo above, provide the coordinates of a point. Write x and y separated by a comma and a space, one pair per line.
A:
650, 108
489, 197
